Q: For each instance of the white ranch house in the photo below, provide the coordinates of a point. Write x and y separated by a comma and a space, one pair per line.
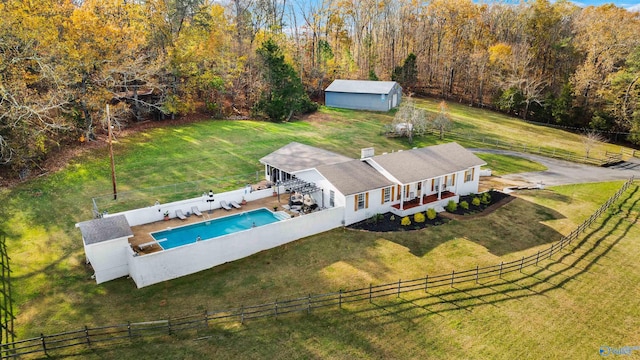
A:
403, 182
344, 190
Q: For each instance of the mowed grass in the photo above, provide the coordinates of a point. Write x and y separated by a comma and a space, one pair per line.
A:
53, 291
507, 164
554, 310
490, 125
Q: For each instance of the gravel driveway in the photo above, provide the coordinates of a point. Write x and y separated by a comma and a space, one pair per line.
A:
560, 172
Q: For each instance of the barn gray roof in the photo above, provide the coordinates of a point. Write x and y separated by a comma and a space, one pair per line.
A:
354, 177
420, 164
295, 157
361, 86
104, 229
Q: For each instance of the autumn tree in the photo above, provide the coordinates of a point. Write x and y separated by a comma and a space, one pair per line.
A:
621, 94
283, 94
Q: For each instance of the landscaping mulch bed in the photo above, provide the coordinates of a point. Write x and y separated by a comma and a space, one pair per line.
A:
496, 197
390, 222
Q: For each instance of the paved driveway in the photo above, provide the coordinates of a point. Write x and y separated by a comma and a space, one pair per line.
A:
562, 172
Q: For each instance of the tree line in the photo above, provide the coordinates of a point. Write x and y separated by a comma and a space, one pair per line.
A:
62, 61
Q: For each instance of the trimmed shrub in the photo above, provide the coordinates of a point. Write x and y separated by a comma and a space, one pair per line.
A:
392, 218
452, 206
464, 205
375, 219
431, 214
486, 198
405, 221
419, 217
475, 201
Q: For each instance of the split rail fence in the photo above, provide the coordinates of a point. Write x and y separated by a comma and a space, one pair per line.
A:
115, 334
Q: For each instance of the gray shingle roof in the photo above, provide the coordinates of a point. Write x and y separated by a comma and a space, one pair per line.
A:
354, 177
420, 164
104, 229
295, 157
361, 86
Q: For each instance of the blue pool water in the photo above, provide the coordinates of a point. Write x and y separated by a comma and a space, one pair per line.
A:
209, 229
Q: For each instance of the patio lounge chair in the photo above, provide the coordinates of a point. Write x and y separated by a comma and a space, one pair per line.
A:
196, 211
235, 204
180, 215
224, 205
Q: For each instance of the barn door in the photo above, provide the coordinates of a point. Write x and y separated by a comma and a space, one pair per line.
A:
395, 100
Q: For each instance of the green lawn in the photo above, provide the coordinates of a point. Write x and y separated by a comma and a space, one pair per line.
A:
53, 291
507, 164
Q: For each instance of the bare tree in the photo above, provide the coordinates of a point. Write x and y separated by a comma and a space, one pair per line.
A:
590, 140
409, 120
442, 122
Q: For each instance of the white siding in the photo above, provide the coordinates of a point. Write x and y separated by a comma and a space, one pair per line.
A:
375, 206
184, 260
108, 259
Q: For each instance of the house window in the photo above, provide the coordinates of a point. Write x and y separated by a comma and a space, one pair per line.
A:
450, 180
386, 195
360, 198
361, 201
468, 175
332, 198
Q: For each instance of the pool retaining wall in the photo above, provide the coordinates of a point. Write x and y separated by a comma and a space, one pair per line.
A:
184, 260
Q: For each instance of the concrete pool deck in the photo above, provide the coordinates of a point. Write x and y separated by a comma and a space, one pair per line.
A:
142, 233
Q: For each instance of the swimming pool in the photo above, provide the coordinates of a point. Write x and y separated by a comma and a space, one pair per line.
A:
213, 228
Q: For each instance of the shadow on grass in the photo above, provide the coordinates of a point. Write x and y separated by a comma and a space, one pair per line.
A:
516, 226
543, 279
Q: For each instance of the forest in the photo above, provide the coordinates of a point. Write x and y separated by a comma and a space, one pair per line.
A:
63, 61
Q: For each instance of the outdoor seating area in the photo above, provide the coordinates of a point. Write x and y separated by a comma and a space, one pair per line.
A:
196, 211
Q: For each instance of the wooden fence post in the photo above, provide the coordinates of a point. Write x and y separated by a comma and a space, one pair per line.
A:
44, 344
340, 298
86, 334
537, 257
550, 252
241, 314
426, 282
500, 274
129, 329
399, 281
276, 307
309, 304
369, 293
206, 318
169, 325
521, 263
453, 274
476, 274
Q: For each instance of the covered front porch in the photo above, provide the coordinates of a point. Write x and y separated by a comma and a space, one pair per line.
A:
413, 206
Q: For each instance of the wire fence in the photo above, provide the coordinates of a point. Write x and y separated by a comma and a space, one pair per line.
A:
114, 334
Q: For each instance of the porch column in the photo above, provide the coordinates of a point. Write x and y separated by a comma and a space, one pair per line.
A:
440, 181
401, 197
421, 191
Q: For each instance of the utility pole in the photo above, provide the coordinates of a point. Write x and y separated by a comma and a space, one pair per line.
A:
113, 165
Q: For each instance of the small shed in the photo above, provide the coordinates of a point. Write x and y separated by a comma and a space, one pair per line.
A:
363, 95
105, 244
